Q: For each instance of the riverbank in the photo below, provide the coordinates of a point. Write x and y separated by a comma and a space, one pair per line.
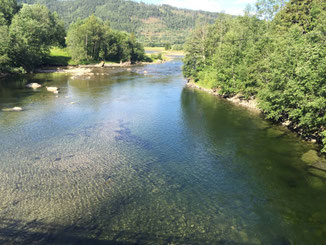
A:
252, 105
238, 99
86, 70
3, 75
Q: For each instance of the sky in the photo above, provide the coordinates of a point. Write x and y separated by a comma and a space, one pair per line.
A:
235, 7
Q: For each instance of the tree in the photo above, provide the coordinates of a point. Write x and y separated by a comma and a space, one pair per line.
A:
279, 58
167, 46
267, 9
33, 30
304, 13
4, 45
8, 8
195, 58
93, 39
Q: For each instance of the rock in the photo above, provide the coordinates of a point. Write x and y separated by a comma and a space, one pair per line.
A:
317, 165
317, 172
272, 132
286, 123
33, 85
53, 89
126, 63
13, 109
315, 182
310, 157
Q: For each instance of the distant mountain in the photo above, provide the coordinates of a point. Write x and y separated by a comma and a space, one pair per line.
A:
153, 24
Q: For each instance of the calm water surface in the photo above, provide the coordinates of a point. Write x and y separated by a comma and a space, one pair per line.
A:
124, 157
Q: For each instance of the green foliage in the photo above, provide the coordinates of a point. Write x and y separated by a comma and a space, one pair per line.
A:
305, 13
4, 48
324, 141
33, 30
177, 47
153, 25
167, 46
8, 8
281, 62
158, 56
267, 9
93, 39
59, 57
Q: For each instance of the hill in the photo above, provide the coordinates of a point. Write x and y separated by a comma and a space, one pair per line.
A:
154, 25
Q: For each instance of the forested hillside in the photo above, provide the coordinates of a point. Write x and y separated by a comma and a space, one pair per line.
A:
277, 57
153, 25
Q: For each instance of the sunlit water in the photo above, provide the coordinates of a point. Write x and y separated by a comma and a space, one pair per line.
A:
124, 157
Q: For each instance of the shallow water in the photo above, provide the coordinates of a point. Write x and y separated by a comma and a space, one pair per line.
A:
125, 157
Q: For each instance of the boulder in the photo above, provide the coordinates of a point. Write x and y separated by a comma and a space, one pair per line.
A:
310, 157
53, 89
33, 85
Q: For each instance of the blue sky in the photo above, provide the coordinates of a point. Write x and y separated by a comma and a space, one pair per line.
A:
228, 6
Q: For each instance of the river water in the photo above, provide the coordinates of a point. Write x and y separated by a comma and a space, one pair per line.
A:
134, 157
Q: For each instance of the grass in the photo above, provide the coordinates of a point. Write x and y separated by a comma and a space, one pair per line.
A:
59, 57
154, 49
163, 51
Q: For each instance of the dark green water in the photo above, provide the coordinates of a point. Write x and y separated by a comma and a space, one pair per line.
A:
139, 159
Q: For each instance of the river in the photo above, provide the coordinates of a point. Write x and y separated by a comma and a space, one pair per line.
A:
134, 157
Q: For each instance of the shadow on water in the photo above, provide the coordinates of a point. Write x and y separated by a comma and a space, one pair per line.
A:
262, 161
125, 136
36, 232
16, 231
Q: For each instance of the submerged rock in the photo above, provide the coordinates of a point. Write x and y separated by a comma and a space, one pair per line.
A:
317, 164
315, 182
311, 157
318, 173
13, 109
33, 85
272, 132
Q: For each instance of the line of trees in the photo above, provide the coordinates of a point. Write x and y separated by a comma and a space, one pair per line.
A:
93, 39
275, 53
28, 32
